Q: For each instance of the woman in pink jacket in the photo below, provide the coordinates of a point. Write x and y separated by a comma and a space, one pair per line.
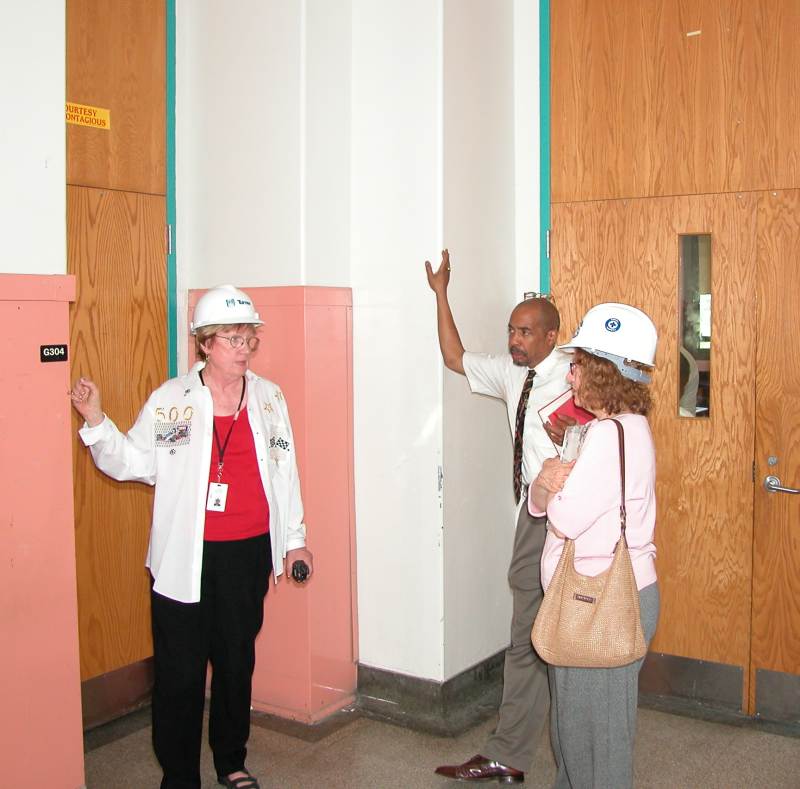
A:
593, 710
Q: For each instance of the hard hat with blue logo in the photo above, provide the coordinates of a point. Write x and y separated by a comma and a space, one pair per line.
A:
224, 305
619, 333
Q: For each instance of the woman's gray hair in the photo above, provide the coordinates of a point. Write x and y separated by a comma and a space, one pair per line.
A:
205, 333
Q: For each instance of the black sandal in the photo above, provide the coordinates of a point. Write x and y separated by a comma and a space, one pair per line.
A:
242, 782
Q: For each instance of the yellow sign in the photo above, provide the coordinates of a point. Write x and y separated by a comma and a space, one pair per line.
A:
84, 115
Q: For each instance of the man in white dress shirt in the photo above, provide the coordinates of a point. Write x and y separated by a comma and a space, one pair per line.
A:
531, 375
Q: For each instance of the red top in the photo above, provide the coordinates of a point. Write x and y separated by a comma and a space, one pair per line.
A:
246, 508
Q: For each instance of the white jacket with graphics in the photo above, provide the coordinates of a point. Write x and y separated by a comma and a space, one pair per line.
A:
169, 446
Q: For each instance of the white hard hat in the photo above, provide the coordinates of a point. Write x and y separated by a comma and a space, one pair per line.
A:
224, 304
619, 333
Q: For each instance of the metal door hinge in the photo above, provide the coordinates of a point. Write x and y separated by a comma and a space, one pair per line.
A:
169, 239
547, 243
439, 477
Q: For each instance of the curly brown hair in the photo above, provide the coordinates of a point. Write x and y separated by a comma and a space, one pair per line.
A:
604, 388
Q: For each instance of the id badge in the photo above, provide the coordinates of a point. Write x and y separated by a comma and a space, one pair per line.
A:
217, 494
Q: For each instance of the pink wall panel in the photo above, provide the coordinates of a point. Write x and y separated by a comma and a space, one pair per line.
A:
307, 650
40, 713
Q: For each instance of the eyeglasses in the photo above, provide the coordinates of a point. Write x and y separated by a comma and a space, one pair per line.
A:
237, 341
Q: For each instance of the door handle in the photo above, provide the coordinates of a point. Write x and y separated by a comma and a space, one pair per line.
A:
773, 485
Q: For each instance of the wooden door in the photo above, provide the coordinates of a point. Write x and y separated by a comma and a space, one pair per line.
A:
116, 250
671, 97
116, 52
628, 251
775, 666
116, 176
697, 98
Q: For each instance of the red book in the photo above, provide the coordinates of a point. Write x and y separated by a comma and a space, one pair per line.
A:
564, 405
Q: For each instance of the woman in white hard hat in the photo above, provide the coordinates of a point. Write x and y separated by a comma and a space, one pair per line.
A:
218, 446
593, 710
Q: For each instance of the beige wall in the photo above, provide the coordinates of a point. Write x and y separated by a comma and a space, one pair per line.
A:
32, 154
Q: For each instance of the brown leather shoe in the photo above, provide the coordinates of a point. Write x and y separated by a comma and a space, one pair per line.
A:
479, 768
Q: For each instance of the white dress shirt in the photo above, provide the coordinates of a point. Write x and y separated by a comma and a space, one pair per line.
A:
498, 376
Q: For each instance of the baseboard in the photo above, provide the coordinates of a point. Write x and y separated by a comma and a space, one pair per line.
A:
713, 692
701, 681
443, 708
778, 696
668, 683
116, 693
687, 708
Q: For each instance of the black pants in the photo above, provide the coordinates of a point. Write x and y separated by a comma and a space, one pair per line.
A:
222, 629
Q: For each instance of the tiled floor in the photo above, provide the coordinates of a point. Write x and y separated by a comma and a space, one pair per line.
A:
671, 752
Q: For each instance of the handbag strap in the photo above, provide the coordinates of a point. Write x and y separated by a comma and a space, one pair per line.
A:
622, 512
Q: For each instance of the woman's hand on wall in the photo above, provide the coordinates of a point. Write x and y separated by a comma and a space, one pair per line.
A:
85, 398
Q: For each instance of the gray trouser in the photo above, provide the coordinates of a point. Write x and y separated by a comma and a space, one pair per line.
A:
593, 716
526, 696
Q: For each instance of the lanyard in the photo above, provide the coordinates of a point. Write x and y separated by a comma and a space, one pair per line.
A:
221, 448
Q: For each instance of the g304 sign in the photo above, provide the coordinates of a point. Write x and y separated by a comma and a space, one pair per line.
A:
53, 353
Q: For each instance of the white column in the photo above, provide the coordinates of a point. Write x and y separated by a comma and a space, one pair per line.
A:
396, 223
479, 200
343, 142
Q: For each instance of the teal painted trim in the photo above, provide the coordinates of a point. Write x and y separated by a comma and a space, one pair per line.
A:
544, 143
172, 285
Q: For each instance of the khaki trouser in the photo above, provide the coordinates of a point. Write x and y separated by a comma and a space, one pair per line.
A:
526, 693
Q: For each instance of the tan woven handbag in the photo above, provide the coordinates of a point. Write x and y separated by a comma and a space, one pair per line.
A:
592, 621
